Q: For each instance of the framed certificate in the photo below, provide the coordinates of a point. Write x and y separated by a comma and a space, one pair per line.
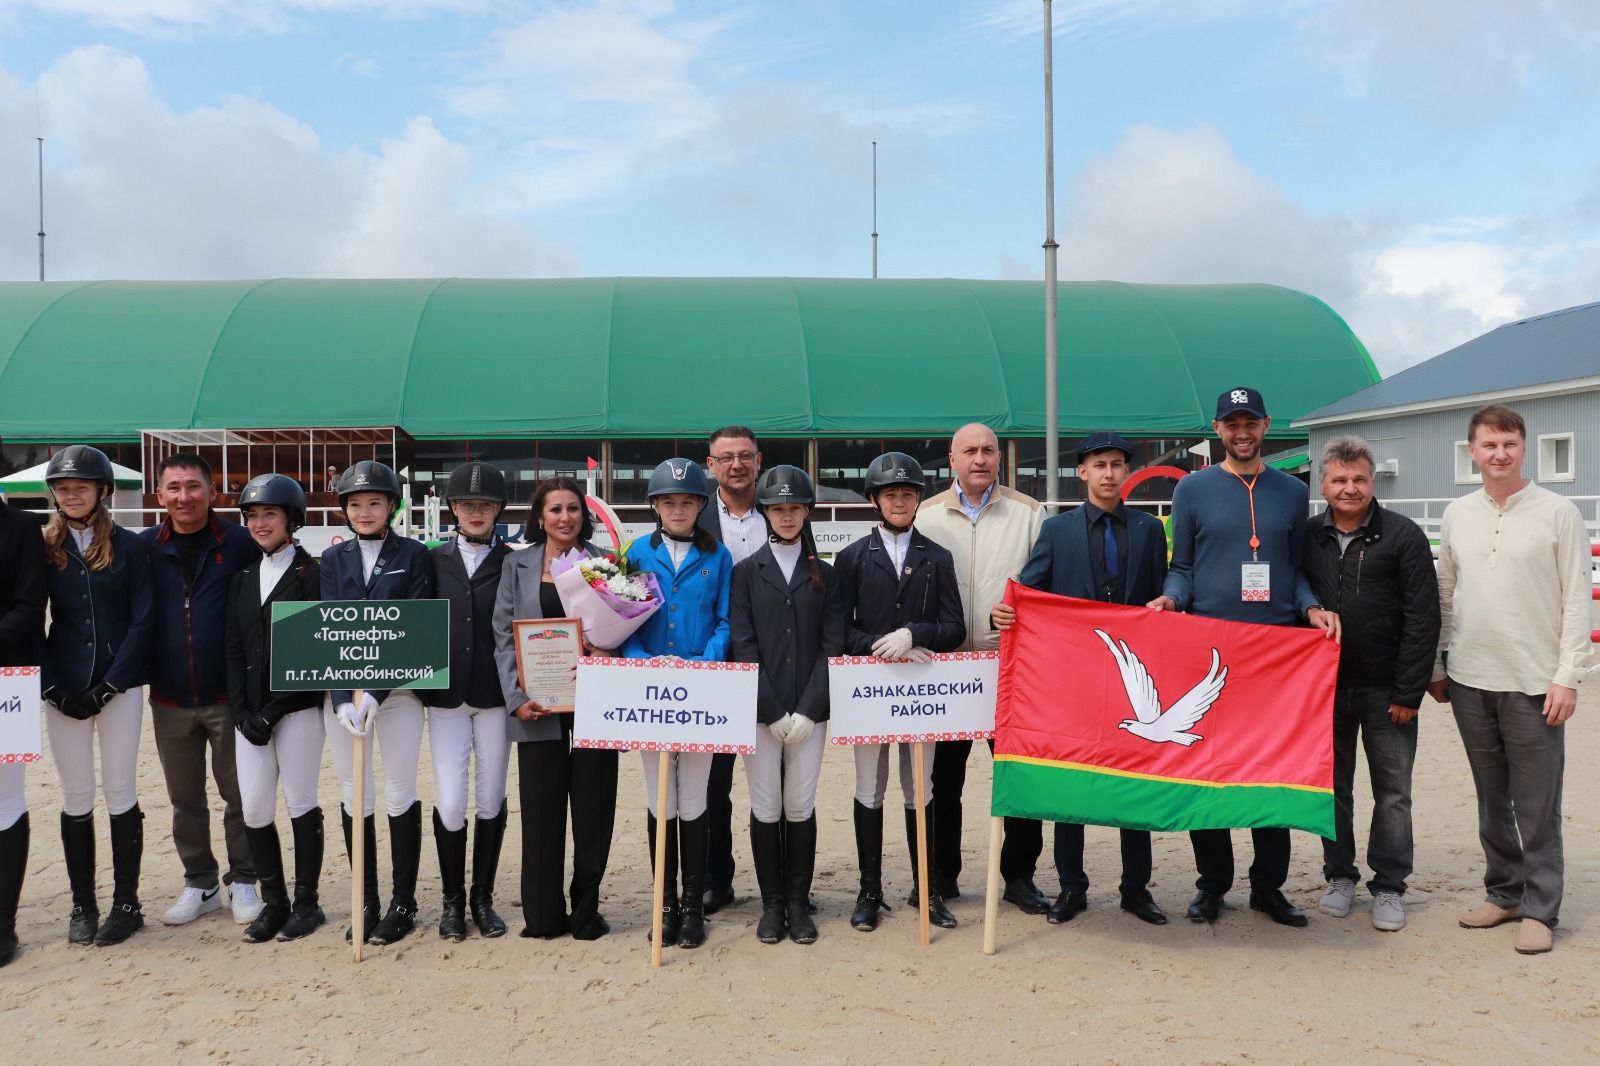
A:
547, 654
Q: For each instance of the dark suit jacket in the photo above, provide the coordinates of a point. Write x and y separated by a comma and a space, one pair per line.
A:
922, 596
1061, 562
474, 679
404, 571
790, 629
23, 589
247, 643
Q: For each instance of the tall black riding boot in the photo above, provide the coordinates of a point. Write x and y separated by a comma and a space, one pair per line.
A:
766, 846
488, 835
127, 852
451, 845
405, 858
77, 841
800, 860
938, 913
371, 908
671, 918
267, 854
305, 915
696, 841
869, 858
13, 864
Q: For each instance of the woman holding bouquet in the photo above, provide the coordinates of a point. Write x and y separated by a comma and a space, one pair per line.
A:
551, 773
786, 616
695, 574
378, 564
467, 721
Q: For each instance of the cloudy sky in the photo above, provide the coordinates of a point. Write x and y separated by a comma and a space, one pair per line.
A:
1427, 167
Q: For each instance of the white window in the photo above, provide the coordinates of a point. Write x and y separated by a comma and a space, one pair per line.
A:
1466, 470
1555, 457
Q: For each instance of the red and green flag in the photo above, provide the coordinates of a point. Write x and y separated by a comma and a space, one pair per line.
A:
1124, 716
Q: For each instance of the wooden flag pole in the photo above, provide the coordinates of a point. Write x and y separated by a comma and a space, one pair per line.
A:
924, 932
659, 896
991, 901
358, 839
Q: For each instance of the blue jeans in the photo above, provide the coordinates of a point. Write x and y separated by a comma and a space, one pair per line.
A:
1391, 752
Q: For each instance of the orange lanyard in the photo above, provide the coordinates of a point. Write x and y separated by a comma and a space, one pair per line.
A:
1250, 488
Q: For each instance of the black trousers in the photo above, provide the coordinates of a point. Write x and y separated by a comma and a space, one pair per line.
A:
553, 775
719, 815
1069, 860
1213, 859
1024, 839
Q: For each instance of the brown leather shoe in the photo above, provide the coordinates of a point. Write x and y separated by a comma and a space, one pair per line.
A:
1533, 937
1486, 916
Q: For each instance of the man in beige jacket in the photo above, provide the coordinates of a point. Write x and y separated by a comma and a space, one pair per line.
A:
990, 530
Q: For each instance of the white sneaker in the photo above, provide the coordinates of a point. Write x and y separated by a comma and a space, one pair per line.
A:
192, 903
246, 903
1388, 912
1339, 898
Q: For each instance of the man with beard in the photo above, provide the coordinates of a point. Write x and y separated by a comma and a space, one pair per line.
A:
1238, 535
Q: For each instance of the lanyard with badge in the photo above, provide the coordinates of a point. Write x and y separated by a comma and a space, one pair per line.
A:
1255, 579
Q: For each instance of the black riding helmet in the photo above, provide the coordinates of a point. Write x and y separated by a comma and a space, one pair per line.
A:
476, 480
275, 490
783, 484
83, 463
674, 476
369, 475
889, 470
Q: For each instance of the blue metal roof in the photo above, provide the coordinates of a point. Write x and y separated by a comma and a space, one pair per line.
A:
1559, 346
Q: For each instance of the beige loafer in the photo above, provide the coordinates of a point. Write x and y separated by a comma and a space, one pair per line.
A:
1486, 916
1533, 937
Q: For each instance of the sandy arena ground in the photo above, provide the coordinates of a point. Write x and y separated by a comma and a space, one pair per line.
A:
1103, 988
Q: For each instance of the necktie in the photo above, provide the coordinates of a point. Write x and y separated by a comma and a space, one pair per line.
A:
1113, 564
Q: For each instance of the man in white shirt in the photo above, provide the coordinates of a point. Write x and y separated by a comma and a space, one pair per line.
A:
735, 462
1514, 592
990, 530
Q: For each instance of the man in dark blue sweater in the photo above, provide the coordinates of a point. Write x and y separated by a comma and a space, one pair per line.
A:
1238, 532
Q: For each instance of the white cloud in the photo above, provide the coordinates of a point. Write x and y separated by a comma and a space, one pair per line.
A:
169, 17
239, 189
1078, 18
1180, 207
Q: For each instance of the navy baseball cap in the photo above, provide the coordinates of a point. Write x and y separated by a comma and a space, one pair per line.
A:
1247, 400
1104, 442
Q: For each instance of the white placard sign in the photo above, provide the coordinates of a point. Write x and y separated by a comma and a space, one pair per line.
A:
877, 702
638, 704
19, 715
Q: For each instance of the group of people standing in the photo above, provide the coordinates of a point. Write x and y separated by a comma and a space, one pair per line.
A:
184, 608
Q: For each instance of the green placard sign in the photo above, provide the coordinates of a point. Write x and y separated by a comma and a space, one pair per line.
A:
350, 644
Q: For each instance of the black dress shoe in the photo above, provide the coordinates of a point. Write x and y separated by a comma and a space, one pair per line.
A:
1067, 906
1271, 902
1144, 908
1027, 897
1205, 906
714, 899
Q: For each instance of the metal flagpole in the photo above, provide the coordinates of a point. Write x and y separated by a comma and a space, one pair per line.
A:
874, 208
41, 207
1052, 400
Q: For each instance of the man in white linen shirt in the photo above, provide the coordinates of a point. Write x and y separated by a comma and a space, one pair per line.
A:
1514, 593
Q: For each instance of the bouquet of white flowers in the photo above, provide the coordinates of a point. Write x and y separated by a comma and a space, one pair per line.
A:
599, 591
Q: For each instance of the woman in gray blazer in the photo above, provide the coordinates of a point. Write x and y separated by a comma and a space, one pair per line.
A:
552, 773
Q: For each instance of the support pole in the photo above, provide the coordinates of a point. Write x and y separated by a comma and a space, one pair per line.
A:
1052, 398
358, 840
659, 896
924, 932
991, 899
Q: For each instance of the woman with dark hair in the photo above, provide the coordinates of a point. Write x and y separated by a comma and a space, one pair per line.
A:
552, 774
694, 573
101, 607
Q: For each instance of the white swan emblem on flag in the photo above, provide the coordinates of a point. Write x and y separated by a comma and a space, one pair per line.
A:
1149, 720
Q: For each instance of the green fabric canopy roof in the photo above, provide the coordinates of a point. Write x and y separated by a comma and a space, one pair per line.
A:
619, 357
